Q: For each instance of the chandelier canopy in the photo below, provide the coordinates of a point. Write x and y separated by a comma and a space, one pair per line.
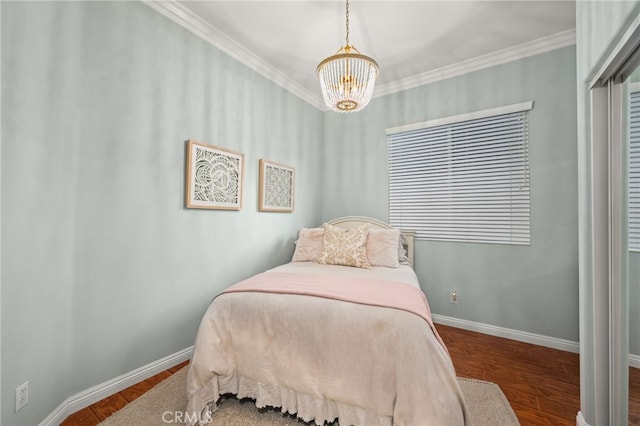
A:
347, 78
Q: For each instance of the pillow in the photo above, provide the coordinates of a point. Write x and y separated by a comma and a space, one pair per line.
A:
309, 245
382, 247
403, 257
345, 247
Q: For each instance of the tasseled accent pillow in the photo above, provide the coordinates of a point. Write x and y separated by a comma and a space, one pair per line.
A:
347, 247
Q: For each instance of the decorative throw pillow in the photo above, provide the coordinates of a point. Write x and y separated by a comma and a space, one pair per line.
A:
403, 258
382, 247
345, 247
309, 245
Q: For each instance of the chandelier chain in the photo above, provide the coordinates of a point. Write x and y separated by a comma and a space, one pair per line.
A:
347, 22
347, 78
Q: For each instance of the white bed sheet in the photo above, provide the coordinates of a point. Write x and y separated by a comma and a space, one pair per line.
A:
404, 273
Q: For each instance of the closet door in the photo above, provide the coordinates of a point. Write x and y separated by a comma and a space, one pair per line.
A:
609, 255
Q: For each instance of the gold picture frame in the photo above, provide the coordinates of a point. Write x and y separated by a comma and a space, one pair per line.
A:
277, 187
214, 177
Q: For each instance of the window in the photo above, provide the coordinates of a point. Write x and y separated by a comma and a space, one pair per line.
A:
634, 171
463, 178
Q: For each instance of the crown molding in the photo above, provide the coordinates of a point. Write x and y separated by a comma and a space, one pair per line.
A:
521, 51
176, 12
192, 22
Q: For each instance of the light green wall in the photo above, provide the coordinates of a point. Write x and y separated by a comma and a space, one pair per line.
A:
104, 270
598, 27
532, 289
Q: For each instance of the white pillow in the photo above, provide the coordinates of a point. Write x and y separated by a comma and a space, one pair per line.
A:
309, 245
382, 247
403, 257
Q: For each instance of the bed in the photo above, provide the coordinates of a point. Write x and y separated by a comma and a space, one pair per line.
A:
337, 333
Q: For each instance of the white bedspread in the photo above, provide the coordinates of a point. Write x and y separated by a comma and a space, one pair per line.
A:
323, 358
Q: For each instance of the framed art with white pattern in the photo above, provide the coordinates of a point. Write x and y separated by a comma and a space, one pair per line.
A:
277, 183
214, 177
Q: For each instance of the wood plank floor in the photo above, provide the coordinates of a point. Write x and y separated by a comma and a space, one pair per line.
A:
95, 413
542, 384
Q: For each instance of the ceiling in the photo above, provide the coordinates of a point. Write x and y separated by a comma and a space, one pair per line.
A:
414, 42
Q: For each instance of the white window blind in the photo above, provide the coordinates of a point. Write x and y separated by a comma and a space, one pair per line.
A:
634, 171
463, 179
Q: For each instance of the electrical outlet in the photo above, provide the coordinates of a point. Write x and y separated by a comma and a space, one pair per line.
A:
454, 296
22, 395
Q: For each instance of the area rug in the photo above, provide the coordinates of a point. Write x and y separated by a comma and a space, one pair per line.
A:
163, 405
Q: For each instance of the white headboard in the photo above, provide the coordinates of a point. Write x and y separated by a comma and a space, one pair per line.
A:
355, 221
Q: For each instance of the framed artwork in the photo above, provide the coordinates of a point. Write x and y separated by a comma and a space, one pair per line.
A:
214, 177
276, 187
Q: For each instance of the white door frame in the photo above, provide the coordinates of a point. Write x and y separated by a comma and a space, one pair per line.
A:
608, 250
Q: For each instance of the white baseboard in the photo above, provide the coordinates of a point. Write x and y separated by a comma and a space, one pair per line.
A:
521, 336
634, 361
96, 393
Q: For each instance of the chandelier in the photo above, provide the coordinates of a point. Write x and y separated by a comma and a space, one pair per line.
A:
348, 77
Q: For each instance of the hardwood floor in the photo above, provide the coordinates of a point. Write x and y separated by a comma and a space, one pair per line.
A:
634, 396
542, 384
95, 413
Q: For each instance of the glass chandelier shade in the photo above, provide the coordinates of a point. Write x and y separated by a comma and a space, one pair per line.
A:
347, 78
